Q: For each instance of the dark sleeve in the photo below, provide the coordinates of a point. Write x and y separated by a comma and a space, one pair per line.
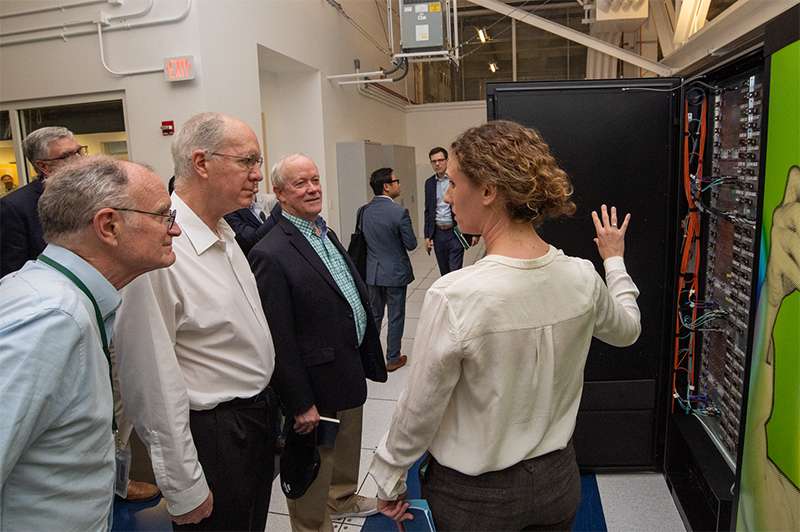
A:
407, 231
289, 378
430, 210
14, 250
247, 236
371, 350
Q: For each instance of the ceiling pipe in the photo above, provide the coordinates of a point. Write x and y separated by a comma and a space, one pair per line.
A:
575, 36
52, 8
66, 25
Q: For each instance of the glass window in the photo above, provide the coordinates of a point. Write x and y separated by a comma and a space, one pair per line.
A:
98, 125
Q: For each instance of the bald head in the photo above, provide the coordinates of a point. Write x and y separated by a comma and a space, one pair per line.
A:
217, 164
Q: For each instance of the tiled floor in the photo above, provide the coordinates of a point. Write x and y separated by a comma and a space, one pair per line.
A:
631, 501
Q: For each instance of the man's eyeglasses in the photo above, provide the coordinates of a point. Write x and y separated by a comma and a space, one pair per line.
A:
249, 161
170, 217
394, 181
437, 161
83, 150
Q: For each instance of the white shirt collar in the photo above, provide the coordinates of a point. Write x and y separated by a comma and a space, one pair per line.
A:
193, 228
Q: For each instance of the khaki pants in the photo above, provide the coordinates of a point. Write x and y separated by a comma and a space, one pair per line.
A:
334, 490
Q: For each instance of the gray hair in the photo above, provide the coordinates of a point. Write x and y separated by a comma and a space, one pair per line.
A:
35, 146
205, 132
277, 176
77, 191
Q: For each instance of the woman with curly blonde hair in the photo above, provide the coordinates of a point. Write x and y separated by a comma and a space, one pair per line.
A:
497, 367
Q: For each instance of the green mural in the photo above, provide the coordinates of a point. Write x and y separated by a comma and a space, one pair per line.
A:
770, 475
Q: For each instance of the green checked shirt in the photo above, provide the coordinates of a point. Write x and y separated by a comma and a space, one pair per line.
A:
336, 264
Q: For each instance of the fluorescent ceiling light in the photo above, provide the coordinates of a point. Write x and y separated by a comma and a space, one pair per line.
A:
483, 35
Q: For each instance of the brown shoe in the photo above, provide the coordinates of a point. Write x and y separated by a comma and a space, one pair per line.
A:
397, 365
365, 506
141, 492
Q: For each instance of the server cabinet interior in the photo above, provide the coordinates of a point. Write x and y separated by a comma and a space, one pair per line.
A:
725, 130
619, 141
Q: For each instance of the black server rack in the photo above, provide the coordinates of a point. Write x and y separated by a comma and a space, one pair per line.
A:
619, 141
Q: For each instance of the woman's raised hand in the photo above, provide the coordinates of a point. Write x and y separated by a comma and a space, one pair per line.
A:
610, 237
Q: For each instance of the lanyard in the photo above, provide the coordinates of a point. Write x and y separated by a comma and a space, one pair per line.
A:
72, 277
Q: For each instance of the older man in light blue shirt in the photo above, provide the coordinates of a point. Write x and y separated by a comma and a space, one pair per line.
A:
106, 222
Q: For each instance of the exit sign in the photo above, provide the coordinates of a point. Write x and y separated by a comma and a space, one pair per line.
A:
179, 68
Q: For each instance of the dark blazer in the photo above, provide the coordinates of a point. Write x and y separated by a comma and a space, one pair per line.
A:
388, 231
430, 206
317, 357
249, 229
21, 237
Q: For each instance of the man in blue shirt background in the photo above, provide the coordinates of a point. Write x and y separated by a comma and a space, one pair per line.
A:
440, 226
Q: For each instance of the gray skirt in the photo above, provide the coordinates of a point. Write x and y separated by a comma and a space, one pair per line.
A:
541, 493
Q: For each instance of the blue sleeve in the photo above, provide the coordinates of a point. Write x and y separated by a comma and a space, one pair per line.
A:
40, 362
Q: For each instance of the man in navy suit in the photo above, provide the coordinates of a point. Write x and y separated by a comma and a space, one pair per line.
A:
388, 231
325, 338
251, 224
439, 223
21, 237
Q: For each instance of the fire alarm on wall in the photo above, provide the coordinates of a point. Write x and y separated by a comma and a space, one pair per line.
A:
167, 128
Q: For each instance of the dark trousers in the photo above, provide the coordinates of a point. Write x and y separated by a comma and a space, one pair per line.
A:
394, 299
449, 251
236, 446
542, 493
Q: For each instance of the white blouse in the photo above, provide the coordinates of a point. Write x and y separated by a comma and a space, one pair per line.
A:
497, 367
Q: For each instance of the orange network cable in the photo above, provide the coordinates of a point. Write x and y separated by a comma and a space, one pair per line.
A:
690, 250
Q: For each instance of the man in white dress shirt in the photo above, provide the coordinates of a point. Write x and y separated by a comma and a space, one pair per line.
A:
194, 350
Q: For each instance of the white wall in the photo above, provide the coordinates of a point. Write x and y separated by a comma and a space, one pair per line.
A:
432, 125
55, 71
251, 57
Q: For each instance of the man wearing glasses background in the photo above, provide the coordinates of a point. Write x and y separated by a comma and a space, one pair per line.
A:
440, 226
21, 238
194, 351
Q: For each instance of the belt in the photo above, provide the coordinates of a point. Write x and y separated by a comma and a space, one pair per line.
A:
445, 227
262, 397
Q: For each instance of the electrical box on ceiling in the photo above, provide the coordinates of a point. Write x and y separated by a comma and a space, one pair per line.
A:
422, 25
620, 15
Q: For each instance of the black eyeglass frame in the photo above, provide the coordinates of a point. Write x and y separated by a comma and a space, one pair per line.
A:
170, 217
249, 160
83, 150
